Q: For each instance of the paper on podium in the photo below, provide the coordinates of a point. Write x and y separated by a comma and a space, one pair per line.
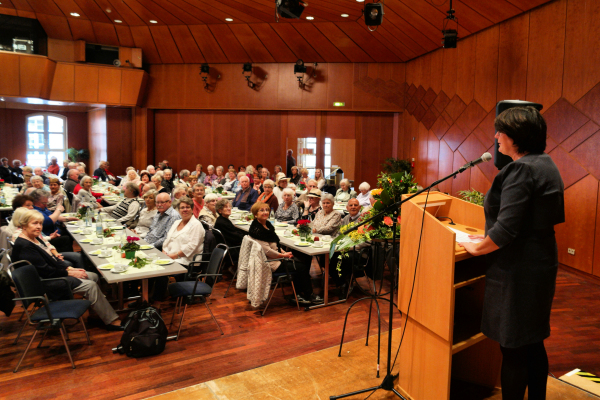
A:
463, 237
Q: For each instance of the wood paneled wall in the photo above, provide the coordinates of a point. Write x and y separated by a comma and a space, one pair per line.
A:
187, 138
24, 75
13, 131
363, 87
111, 138
96, 137
545, 56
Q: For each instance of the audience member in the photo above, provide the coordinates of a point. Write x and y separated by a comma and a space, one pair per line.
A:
53, 167
199, 174
320, 179
57, 196
290, 162
126, 211
210, 175
246, 197
287, 210
327, 221
268, 196
162, 222
5, 171
295, 176
209, 213
282, 182
85, 194
232, 182
157, 179
232, 235
198, 190
364, 197
310, 185
38, 183
184, 177
51, 221
345, 193
147, 214
313, 205
185, 237
168, 179
38, 172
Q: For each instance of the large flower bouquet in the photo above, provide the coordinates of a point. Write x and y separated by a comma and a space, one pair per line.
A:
131, 244
82, 211
390, 189
304, 228
302, 185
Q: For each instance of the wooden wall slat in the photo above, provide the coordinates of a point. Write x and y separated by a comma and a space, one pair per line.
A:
125, 36
188, 48
81, 29
177, 12
56, 27
545, 63
167, 49
109, 87
63, 85
145, 13
86, 84
495, 11
143, 39
208, 45
9, 78
512, 58
126, 14
251, 43
465, 73
486, 68
375, 49
105, 33
301, 48
231, 46
344, 43
271, 40
92, 10
205, 17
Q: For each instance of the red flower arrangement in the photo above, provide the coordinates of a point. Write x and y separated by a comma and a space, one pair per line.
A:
303, 227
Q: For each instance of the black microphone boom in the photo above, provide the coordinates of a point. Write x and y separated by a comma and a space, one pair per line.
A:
485, 157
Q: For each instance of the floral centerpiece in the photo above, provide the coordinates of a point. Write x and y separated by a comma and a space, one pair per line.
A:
138, 262
219, 189
304, 228
390, 189
82, 211
1, 183
249, 217
95, 180
131, 247
107, 232
302, 185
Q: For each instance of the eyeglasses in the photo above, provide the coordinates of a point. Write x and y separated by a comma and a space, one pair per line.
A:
158, 203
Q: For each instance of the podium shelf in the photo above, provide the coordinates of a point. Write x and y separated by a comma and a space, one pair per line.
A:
464, 344
468, 272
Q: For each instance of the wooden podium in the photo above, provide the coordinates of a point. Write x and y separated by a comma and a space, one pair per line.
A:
443, 338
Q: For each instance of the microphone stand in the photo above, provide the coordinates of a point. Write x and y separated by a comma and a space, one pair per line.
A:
388, 380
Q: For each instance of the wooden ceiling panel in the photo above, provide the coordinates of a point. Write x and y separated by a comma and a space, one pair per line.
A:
45, 7
186, 44
495, 11
301, 48
364, 39
277, 47
55, 27
231, 46
92, 10
167, 49
410, 28
208, 44
251, 43
105, 33
204, 16
172, 9
143, 39
124, 35
320, 43
127, 14
344, 43
82, 30
69, 6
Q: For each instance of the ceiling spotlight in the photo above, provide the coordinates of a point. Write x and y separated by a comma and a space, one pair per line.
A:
229, 19
153, 21
73, 14
299, 67
1, 98
360, 1
344, 15
118, 21
450, 35
310, 18
108, 10
373, 14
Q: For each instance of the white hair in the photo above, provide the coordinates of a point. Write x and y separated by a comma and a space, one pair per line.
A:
346, 181
72, 165
149, 166
250, 169
289, 191
210, 166
327, 196
180, 188
83, 165
210, 197
240, 174
364, 186
36, 178
269, 182
84, 179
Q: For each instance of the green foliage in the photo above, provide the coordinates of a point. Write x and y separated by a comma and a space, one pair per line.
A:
472, 196
138, 262
78, 155
392, 165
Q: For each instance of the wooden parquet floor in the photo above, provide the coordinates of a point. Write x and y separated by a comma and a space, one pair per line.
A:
250, 341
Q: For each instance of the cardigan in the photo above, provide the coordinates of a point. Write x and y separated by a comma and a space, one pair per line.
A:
233, 235
327, 224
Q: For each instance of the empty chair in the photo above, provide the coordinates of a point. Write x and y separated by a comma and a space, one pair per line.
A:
197, 286
49, 315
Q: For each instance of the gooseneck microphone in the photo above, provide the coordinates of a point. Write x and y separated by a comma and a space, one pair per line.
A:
485, 157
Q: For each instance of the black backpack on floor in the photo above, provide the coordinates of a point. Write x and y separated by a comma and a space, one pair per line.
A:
145, 334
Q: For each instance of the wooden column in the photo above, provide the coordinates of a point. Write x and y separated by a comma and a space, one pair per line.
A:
143, 137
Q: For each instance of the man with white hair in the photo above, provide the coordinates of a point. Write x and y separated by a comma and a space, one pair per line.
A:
168, 180
246, 197
146, 188
17, 172
72, 180
64, 173
179, 191
163, 220
38, 171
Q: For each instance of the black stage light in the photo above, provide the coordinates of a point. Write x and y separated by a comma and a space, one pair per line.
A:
204, 69
373, 14
299, 67
290, 8
450, 38
247, 67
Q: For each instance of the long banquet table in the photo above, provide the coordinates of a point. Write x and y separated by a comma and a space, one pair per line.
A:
292, 243
149, 271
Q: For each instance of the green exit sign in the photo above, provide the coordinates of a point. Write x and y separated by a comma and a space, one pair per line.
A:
339, 104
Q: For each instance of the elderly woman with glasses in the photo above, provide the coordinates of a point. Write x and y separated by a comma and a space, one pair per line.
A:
127, 210
327, 221
85, 193
268, 196
147, 214
288, 210
208, 214
186, 237
158, 181
210, 175
232, 235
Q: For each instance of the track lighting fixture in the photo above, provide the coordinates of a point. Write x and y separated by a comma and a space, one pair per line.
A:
247, 72
450, 35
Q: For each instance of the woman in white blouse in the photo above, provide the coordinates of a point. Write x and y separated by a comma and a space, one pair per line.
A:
147, 214
186, 237
364, 197
85, 193
319, 178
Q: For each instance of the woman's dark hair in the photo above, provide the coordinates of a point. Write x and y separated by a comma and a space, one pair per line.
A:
240, 168
145, 173
525, 126
19, 200
259, 166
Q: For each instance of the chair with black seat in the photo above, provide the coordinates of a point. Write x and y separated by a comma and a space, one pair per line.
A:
197, 286
49, 315
221, 239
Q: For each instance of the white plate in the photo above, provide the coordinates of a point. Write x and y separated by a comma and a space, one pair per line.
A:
97, 244
163, 262
303, 244
94, 253
117, 227
117, 272
242, 223
105, 256
281, 224
73, 222
109, 219
86, 241
77, 231
107, 266
146, 247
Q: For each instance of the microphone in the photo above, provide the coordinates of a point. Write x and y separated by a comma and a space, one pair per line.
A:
485, 157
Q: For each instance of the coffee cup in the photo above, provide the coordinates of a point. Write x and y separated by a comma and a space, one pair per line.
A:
105, 252
326, 238
120, 268
87, 231
318, 243
97, 240
287, 232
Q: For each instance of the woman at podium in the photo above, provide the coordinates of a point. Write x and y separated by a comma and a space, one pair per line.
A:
521, 209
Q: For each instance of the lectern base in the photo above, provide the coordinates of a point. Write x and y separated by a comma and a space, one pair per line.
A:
387, 384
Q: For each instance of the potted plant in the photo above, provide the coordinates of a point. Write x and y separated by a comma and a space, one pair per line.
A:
472, 196
131, 247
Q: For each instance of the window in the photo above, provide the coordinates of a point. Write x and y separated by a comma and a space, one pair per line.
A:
46, 138
327, 157
307, 154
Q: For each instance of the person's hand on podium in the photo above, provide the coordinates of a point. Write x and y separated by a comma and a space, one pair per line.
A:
478, 249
